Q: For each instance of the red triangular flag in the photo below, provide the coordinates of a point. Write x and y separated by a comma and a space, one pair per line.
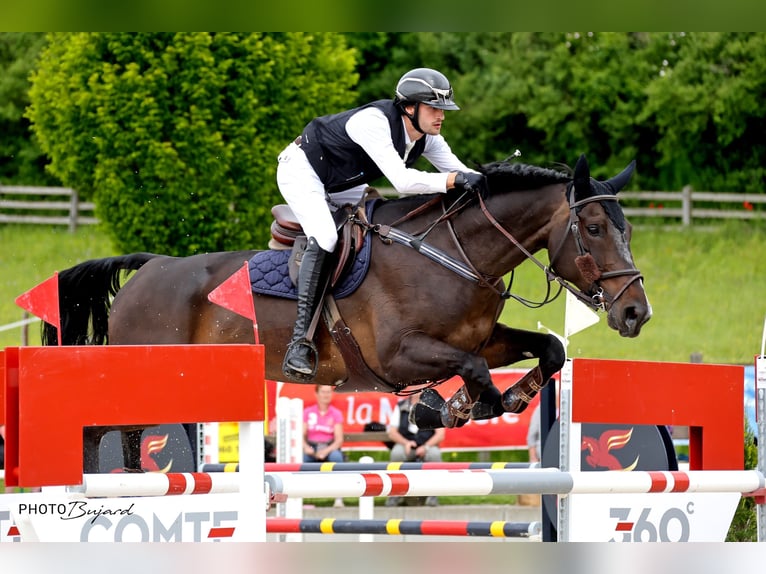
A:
236, 295
43, 301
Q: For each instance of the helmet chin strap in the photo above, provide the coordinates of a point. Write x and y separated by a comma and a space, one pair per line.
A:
414, 117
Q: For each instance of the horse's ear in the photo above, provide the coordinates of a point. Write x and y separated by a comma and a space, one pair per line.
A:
582, 177
621, 179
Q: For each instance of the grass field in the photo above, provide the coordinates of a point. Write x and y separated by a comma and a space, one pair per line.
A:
705, 286
29, 255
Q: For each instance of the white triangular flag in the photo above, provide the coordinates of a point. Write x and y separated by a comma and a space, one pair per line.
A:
578, 316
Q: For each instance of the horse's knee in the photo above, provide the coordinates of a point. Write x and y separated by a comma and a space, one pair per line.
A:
553, 357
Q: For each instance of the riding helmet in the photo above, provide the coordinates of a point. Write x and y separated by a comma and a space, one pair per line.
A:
427, 86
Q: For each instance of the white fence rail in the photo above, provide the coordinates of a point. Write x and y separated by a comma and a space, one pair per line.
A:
17, 201
44, 206
684, 204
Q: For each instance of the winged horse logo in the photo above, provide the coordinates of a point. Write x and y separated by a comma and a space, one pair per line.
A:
150, 445
599, 450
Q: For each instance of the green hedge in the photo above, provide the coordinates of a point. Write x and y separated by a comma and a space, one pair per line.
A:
175, 136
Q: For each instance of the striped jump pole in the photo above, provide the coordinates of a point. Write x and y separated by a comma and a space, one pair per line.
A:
155, 484
531, 481
394, 527
426, 483
362, 466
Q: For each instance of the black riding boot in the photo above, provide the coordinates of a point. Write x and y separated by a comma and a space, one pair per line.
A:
310, 284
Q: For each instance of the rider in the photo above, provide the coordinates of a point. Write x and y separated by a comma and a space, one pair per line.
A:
336, 156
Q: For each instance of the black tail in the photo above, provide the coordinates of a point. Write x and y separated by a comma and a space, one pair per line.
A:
85, 297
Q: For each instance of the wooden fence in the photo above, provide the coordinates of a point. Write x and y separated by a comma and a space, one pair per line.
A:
688, 204
45, 206
25, 204
685, 205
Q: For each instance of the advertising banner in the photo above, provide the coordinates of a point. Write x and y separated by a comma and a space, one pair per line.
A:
506, 432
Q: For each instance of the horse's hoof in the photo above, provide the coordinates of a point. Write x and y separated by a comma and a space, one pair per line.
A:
426, 413
513, 403
489, 405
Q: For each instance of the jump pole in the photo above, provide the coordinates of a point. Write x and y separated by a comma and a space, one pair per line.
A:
361, 466
532, 481
396, 527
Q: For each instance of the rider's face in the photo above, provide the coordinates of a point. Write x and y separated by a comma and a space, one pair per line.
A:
430, 119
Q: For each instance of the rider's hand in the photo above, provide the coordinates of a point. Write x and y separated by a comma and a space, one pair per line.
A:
472, 182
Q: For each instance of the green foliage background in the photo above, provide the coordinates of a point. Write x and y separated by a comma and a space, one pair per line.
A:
175, 136
21, 160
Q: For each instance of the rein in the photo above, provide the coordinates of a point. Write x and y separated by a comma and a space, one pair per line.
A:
595, 298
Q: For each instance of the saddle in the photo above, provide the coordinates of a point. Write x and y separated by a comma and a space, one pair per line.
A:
350, 221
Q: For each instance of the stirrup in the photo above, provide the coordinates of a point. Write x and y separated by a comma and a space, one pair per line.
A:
298, 376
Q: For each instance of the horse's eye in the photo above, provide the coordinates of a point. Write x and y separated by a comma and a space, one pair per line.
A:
593, 230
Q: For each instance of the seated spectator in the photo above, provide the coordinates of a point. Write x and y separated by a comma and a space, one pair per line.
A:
412, 444
323, 431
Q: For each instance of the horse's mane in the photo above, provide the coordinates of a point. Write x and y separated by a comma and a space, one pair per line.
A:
513, 176
506, 176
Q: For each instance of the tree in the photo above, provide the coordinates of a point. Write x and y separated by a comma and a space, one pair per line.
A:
175, 135
686, 106
21, 161
708, 109
551, 95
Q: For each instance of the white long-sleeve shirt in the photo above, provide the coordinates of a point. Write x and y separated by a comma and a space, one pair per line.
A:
369, 129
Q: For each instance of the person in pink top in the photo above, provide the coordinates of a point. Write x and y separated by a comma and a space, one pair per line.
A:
322, 429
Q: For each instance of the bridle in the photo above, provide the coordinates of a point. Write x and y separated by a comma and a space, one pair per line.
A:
596, 297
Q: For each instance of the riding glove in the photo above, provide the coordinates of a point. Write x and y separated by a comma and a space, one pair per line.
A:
472, 182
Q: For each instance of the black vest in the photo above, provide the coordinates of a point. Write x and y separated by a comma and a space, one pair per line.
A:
339, 162
419, 437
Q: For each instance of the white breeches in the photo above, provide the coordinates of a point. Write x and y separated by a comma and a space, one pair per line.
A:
304, 192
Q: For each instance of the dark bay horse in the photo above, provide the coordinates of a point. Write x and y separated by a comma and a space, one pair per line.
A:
416, 319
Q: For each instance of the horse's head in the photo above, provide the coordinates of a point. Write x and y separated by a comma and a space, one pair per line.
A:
593, 250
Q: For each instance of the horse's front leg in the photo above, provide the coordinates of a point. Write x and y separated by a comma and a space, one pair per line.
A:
422, 358
507, 346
